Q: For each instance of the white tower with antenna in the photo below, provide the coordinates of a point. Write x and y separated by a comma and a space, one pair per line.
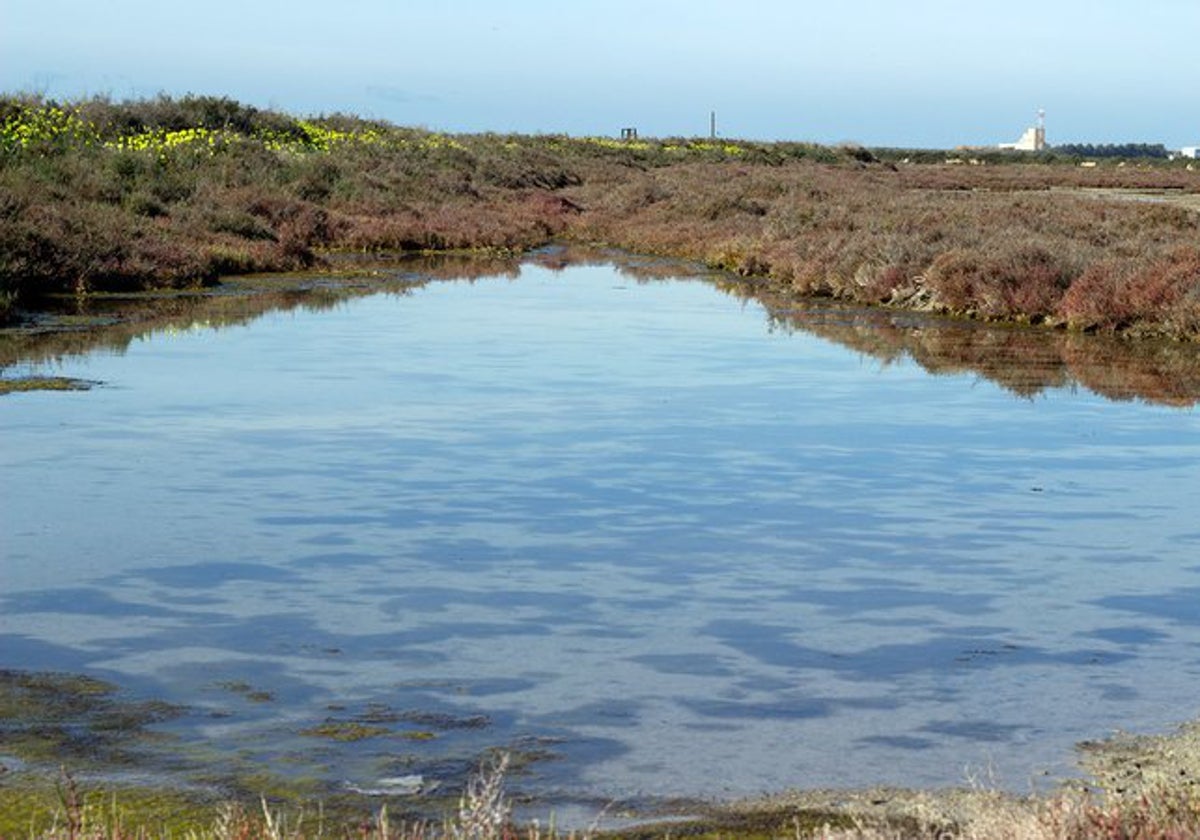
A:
1034, 138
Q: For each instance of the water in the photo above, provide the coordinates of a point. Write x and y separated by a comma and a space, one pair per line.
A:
641, 531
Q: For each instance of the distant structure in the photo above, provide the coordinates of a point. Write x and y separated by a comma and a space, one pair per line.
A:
1192, 152
628, 133
1034, 138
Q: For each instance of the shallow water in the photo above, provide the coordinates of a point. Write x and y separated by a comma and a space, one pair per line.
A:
642, 530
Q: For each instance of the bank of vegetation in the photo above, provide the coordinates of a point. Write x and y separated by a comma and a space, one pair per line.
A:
100, 195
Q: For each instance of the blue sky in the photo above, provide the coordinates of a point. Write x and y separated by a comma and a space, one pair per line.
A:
926, 73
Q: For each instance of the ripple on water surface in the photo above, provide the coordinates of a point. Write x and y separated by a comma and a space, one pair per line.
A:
632, 528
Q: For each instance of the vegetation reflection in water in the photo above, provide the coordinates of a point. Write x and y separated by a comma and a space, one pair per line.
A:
445, 743
1025, 361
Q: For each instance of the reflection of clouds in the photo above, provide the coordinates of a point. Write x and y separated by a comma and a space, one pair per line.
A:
1127, 635
799, 708
338, 560
508, 499
1181, 606
689, 664
215, 574
902, 742
88, 601
873, 599
975, 730
439, 599
772, 645
608, 712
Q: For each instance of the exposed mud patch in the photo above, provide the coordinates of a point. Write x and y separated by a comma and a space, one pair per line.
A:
44, 383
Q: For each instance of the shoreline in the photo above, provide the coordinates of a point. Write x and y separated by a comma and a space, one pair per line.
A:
39, 782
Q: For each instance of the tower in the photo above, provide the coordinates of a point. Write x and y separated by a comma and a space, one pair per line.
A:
1034, 138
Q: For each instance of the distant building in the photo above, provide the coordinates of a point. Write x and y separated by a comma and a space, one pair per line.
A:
1034, 138
1190, 152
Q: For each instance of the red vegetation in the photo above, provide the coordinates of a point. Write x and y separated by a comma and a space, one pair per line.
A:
1009, 240
1003, 250
1120, 296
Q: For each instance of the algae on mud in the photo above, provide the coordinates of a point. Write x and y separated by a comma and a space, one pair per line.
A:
345, 731
14, 385
74, 736
52, 721
40, 799
54, 718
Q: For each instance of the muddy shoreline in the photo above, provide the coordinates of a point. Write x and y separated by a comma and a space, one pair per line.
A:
60, 729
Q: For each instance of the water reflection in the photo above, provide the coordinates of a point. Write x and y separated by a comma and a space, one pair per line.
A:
605, 517
1024, 361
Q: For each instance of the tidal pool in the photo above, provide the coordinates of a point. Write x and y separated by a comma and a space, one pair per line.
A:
654, 537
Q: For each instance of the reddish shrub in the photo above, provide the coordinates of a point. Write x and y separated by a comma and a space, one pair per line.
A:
1017, 281
1163, 296
1167, 293
1032, 282
954, 279
1096, 299
888, 284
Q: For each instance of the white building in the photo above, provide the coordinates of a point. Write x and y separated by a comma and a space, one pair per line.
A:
1034, 138
1190, 152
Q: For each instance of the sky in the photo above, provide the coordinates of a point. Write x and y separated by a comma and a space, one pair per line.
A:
918, 74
